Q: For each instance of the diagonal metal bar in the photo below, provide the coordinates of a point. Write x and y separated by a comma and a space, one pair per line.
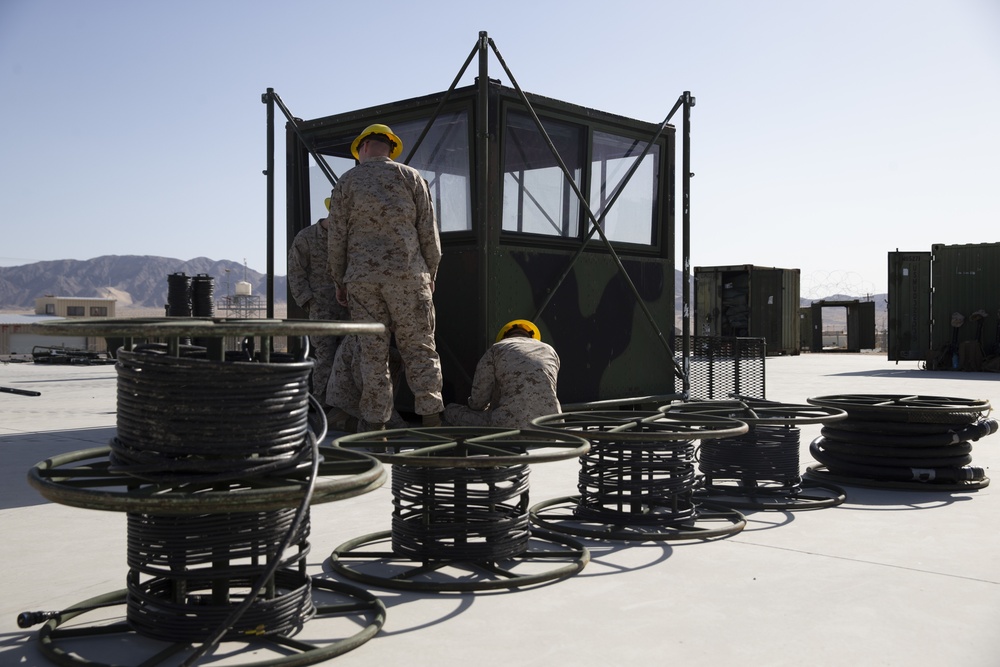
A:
620, 189
320, 160
541, 211
444, 100
590, 214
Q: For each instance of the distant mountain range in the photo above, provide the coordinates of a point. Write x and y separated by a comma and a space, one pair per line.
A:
136, 281
140, 281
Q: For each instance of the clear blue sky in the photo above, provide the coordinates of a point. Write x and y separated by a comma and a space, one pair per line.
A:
826, 134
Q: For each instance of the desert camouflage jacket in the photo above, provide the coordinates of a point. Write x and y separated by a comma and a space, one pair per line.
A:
382, 226
516, 380
309, 279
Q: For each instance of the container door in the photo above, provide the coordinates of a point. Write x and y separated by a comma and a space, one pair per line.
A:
965, 280
707, 302
861, 327
805, 329
766, 309
909, 307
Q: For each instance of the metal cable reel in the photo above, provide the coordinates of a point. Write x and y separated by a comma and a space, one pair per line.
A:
759, 470
460, 511
215, 465
637, 482
897, 441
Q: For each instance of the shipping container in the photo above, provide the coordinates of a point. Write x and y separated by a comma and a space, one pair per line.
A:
859, 329
749, 301
942, 299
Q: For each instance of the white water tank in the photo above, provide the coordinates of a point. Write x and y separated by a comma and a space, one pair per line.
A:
243, 288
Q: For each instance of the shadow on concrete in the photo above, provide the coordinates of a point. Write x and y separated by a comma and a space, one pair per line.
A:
917, 374
23, 451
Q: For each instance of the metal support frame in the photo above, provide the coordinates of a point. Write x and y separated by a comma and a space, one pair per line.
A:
482, 47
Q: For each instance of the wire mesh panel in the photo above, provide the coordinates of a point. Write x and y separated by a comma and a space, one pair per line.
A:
725, 366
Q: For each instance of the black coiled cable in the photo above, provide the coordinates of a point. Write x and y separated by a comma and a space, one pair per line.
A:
765, 454
214, 424
925, 452
185, 572
216, 421
460, 514
624, 481
276, 568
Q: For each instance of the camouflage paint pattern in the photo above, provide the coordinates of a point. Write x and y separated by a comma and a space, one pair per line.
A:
608, 348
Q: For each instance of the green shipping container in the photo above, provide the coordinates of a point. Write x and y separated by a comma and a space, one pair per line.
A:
965, 279
749, 301
941, 299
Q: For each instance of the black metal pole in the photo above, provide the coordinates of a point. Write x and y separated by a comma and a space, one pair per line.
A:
268, 99
485, 233
686, 242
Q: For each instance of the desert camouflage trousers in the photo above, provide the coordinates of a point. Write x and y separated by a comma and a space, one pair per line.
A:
344, 388
324, 348
407, 310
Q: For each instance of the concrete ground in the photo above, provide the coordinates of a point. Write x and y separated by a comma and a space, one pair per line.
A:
890, 577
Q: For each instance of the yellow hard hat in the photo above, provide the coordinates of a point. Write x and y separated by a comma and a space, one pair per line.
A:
520, 324
326, 202
378, 128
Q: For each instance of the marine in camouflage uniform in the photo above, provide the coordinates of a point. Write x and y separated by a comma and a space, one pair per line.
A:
344, 389
384, 256
314, 291
515, 382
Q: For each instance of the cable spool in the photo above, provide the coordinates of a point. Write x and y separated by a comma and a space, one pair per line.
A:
638, 480
187, 572
460, 519
192, 418
760, 468
620, 481
183, 419
765, 454
897, 441
475, 514
216, 465
203, 295
179, 295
